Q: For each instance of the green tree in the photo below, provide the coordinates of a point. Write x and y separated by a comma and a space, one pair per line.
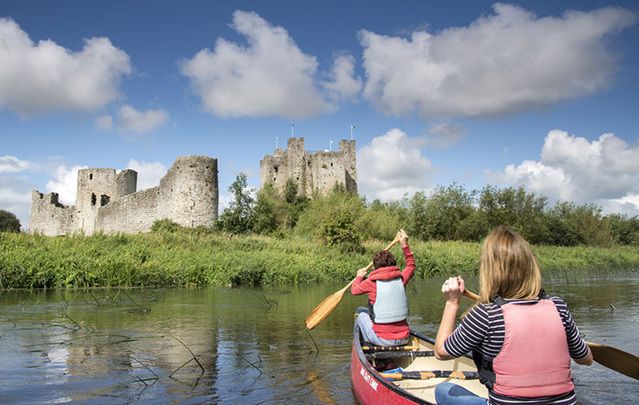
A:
332, 220
447, 208
382, 220
625, 231
583, 224
268, 210
417, 225
515, 207
9, 222
238, 217
295, 204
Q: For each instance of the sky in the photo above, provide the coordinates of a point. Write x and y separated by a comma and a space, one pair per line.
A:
541, 94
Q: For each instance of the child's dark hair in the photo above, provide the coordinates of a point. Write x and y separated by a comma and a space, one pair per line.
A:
383, 258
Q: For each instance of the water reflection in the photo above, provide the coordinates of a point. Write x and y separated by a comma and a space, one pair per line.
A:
241, 345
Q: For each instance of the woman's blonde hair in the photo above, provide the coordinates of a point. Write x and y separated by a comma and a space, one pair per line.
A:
508, 267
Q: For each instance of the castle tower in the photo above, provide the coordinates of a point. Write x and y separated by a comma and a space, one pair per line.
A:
274, 169
189, 192
349, 160
312, 172
296, 163
96, 187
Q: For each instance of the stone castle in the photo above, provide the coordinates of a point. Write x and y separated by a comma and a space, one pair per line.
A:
316, 172
188, 194
108, 202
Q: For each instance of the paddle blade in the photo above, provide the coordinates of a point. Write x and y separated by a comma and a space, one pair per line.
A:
324, 309
616, 359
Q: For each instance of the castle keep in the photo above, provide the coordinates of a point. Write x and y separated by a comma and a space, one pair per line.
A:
108, 202
312, 172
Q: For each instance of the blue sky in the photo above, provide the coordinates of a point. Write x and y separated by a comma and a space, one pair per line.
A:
541, 94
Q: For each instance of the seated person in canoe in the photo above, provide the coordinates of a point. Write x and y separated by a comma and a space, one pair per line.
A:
384, 322
521, 339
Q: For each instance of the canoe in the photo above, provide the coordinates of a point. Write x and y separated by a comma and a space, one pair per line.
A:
371, 387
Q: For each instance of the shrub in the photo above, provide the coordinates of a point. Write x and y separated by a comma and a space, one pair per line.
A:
165, 225
9, 222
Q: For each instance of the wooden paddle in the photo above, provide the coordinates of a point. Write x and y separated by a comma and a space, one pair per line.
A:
324, 309
611, 357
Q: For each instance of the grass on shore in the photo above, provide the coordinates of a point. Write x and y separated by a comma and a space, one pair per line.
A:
193, 257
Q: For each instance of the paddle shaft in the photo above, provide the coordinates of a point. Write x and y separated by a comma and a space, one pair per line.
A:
399, 355
390, 348
426, 375
611, 357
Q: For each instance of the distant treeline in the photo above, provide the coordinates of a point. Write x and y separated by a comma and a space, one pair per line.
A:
449, 213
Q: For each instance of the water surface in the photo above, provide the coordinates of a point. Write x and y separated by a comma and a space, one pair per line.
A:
227, 345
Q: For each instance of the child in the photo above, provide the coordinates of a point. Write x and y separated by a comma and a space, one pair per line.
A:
384, 322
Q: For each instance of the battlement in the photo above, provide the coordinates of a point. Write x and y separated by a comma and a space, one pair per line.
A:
107, 200
313, 172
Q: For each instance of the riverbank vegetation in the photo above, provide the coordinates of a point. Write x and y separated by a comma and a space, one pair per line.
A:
274, 238
176, 256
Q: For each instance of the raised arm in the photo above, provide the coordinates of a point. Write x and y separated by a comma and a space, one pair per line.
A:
408, 271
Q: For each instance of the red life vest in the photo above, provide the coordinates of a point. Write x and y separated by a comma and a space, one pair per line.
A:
534, 360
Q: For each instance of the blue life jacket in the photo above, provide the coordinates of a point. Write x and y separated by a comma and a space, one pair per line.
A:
391, 304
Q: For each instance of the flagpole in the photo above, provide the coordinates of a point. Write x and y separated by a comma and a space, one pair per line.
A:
352, 127
292, 130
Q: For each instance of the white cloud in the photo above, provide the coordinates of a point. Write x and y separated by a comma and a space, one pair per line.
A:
603, 171
15, 189
225, 200
149, 173
342, 83
11, 164
44, 76
65, 183
104, 122
132, 120
15, 197
391, 165
507, 61
270, 76
10, 197
444, 135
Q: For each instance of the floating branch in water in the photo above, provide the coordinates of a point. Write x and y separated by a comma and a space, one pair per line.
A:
140, 308
190, 351
95, 299
151, 371
270, 303
256, 367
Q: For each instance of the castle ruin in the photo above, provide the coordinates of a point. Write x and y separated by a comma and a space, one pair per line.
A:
108, 202
313, 172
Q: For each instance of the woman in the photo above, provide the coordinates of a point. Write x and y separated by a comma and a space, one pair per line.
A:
521, 339
384, 323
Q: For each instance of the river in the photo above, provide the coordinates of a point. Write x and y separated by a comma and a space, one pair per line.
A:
223, 345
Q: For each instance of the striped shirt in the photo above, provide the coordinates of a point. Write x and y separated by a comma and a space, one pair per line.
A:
483, 330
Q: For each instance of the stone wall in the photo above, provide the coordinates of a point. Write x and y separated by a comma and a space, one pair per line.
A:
130, 214
312, 171
50, 217
107, 201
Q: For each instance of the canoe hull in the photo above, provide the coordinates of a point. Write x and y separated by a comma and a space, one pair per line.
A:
370, 389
